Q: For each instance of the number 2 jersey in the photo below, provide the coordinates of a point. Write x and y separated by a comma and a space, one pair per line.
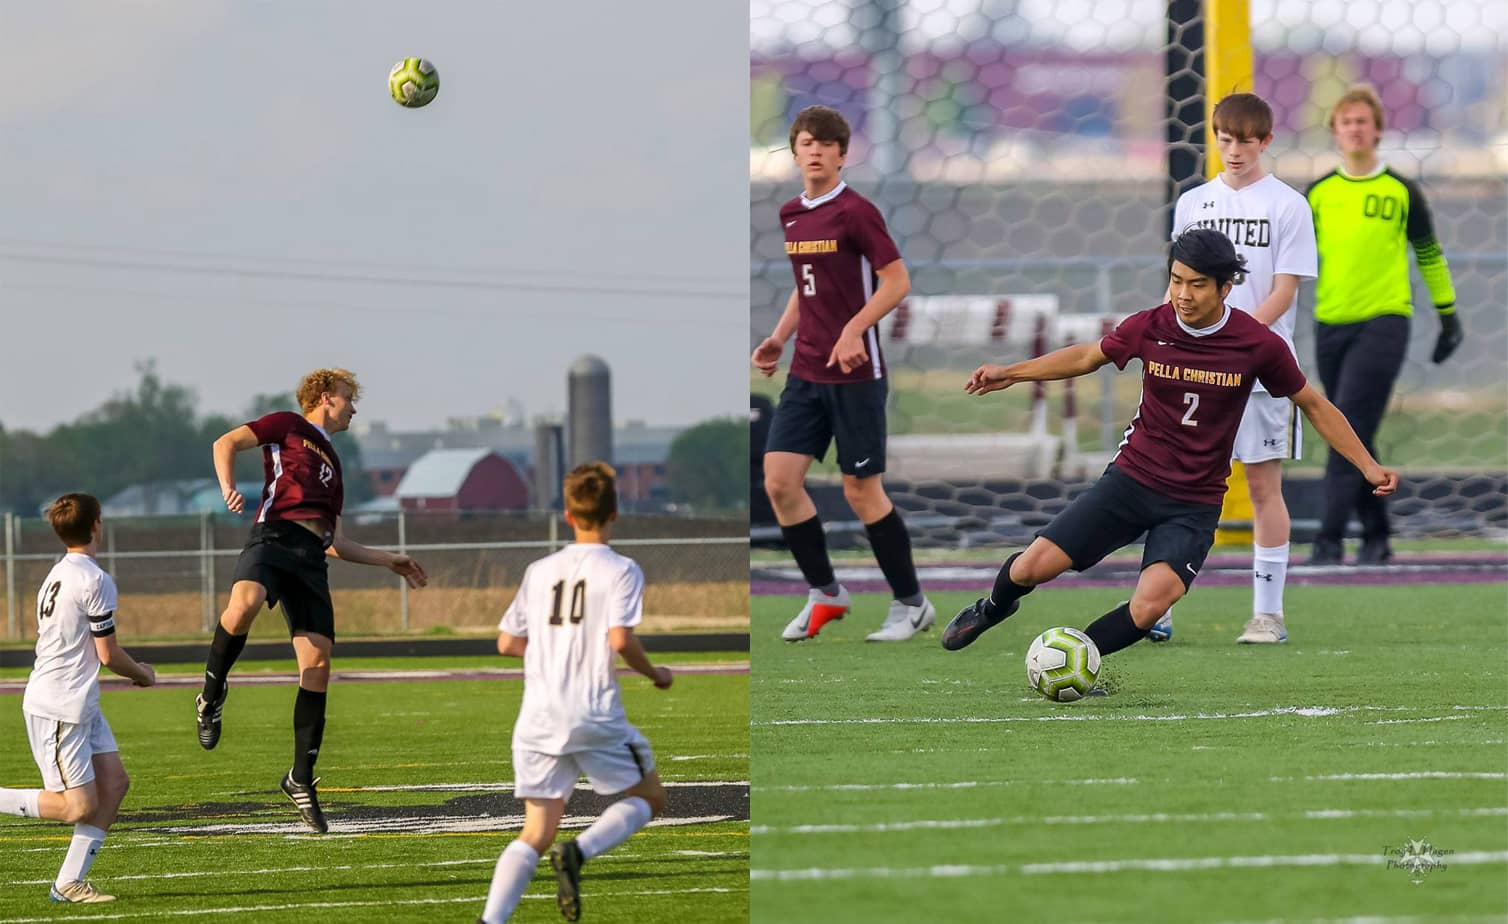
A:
1194, 386
301, 477
75, 606
565, 606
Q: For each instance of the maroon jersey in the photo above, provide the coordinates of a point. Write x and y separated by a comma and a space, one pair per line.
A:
1194, 387
836, 242
301, 473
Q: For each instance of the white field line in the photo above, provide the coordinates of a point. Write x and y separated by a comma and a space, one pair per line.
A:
1159, 817
1413, 775
1432, 718
502, 787
317, 908
434, 824
1157, 865
1309, 712
963, 784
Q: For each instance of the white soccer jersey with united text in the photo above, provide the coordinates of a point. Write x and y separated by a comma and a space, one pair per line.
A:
1272, 227
565, 606
75, 605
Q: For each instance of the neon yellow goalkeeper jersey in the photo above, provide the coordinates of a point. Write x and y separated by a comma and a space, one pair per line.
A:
1363, 227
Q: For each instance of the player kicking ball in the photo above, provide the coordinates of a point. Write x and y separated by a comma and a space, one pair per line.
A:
82, 774
574, 611
297, 530
1200, 360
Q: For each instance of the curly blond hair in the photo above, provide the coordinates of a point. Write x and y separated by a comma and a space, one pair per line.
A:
323, 381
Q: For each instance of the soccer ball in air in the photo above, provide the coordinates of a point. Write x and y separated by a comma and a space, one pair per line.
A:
413, 82
1062, 664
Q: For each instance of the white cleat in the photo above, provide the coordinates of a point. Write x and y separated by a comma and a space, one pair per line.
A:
904, 621
1264, 629
78, 891
820, 610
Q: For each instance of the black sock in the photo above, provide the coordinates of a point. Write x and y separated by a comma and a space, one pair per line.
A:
892, 549
1005, 591
809, 547
1115, 630
223, 652
308, 731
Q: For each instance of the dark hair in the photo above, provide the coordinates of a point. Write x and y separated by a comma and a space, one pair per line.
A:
1209, 252
73, 517
1243, 115
825, 124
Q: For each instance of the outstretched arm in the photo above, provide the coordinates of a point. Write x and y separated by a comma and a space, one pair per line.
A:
1333, 427
1068, 363
114, 657
350, 550
238, 440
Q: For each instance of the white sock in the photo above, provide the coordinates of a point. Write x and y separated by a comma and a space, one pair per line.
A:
1268, 575
617, 823
509, 880
87, 840
23, 802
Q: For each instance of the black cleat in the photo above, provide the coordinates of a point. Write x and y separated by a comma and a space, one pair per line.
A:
566, 860
1326, 552
971, 622
1374, 552
304, 796
209, 719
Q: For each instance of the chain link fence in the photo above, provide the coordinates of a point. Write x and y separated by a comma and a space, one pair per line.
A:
174, 573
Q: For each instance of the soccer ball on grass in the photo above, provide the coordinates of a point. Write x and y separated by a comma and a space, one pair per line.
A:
413, 82
1062, 664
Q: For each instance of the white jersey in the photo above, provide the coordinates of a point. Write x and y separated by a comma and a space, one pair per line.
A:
1272, 227
75, 605
565, 606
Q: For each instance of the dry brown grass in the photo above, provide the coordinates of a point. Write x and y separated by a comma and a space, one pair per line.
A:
668, 607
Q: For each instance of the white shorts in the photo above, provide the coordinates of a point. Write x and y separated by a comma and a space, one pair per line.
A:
64, 752
609, 770
1270, 429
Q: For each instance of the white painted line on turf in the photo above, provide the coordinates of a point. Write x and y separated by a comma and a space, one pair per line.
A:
1305, 711
317, 908
432, 824
1416, 775
500, 787
1432, 718
1157, 817
963, 784
1160, 865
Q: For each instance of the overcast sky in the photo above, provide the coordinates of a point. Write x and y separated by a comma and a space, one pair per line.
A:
225, 187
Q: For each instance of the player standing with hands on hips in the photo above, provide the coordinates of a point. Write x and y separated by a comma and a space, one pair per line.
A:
849, 275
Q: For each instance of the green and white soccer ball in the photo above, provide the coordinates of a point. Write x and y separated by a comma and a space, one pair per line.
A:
1062, 664
413, 82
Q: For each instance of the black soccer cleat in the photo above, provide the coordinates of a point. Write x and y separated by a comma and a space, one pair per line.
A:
307, 801
1326, 552
971, 622
566, 860
1374, 552
209, 718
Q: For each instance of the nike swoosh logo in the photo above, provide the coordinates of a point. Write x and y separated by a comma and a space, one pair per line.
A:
1163, 343
916, 621
1191, 569
789, 223
861, 464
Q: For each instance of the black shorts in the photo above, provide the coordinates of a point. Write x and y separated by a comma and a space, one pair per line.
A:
1118, 509
811, 415
289, 561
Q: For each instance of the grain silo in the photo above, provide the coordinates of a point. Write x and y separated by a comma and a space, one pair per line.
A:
590, 412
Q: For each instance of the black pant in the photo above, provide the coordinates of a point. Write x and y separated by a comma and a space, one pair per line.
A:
1358, 364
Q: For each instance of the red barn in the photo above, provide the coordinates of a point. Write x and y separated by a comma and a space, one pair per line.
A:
462, 479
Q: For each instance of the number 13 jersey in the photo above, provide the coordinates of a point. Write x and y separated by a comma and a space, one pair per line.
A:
75, 605
565, 605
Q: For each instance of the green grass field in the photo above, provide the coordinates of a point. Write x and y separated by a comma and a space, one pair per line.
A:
209, 833
1219, 783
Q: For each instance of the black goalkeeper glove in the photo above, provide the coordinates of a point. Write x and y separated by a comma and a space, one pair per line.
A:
1449, 339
